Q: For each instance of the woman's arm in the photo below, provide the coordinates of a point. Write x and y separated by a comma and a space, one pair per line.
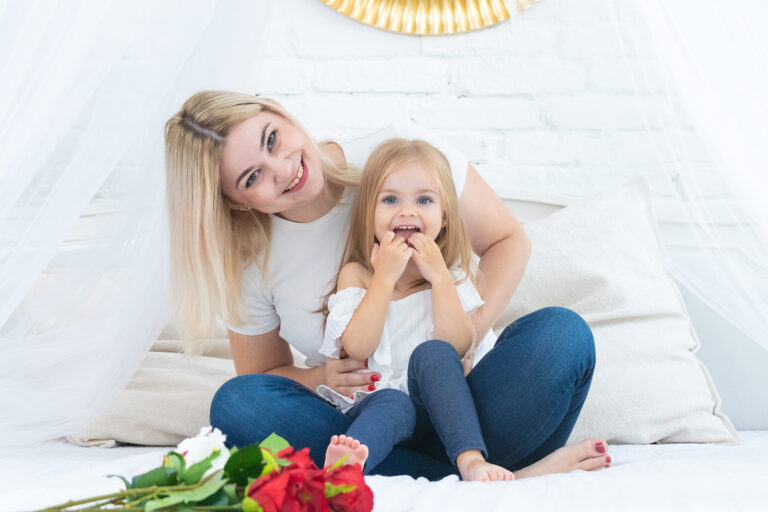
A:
500, 241
269, 353
364, 330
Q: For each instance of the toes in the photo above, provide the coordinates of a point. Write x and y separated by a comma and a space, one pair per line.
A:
594, 463
342, 439
594, 447
335, 440
354, 444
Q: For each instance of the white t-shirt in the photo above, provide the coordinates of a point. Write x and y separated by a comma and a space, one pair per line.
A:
305, 257
409, 323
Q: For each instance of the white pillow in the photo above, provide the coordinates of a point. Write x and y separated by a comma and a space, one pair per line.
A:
602, 258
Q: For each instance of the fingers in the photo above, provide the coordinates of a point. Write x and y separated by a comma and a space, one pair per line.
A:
375, 250
388, 237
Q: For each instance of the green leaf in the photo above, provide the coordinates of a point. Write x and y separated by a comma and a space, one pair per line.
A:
334, 490
247, 462
161, 476
125, 480
274, 443
175, 461
251, 505
219, 499
338, 463
231, 490
198, 469
195, 495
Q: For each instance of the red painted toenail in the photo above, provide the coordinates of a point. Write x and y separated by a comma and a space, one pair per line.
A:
608, 459
366, 363
350, 396
375, 377
607, 465
599, 447
371, 387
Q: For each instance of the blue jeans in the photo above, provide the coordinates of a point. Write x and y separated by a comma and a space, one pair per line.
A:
527, 392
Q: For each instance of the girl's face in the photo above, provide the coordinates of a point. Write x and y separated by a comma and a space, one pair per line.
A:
409, 202
268, 164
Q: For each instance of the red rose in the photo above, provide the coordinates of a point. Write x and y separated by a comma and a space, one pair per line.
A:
305, 491
360, 499
269, 491
300, 457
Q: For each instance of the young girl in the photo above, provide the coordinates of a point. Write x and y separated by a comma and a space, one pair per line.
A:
404, 280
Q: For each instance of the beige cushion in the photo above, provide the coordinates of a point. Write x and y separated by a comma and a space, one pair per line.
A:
602, 258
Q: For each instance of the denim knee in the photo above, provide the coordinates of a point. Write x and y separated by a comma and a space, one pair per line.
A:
243, 389
431, 351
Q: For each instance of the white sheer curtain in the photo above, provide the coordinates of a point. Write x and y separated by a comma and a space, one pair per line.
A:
713, 56
83, 253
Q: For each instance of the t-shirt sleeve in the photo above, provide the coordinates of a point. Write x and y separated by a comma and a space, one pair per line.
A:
341, 306
357, 150
258, 311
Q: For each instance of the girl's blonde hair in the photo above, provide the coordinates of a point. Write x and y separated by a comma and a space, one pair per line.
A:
211, 243
388, 157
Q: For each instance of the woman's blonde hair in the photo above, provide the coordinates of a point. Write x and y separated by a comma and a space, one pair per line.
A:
388, 157
211, 243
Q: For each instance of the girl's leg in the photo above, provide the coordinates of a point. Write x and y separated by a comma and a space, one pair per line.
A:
382, 420
248, 408
530, 388
443, 400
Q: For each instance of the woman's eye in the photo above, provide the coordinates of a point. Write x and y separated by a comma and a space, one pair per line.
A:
424, 200
271, 139
252, 178
389, 200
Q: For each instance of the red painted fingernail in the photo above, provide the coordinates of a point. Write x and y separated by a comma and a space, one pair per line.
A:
375, 377
599, 447
371, 387
608, 459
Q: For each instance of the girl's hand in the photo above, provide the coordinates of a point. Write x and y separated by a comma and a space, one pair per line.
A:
390, 258
429, 259
343, 375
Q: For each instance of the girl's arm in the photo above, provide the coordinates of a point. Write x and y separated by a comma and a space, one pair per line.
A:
364, 330
500, 241
452, 324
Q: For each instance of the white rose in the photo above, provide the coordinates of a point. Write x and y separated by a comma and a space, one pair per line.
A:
195, 449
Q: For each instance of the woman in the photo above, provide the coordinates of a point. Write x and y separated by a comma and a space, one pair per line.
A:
259, 214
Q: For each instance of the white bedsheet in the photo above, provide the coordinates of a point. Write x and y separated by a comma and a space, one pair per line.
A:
641, 477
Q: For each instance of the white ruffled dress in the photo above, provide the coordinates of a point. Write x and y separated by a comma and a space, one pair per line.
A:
408, 323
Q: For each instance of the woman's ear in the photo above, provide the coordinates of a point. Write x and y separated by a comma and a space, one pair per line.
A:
233, 205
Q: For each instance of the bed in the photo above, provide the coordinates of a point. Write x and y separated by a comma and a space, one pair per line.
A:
652, 398
641, 477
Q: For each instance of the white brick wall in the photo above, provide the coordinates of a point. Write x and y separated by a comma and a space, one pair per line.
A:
542, 103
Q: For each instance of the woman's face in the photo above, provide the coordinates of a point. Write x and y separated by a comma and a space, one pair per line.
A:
268, 164
408, 202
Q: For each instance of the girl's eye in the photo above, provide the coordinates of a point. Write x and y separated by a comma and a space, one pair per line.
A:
424, 200
389, 200
271, 139
252, 178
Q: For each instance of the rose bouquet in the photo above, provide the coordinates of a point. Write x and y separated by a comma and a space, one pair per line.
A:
203, 474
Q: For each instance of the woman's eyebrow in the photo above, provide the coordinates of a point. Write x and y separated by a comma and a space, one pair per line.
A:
242, 174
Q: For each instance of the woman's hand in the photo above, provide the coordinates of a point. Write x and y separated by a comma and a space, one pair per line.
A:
390, 257
429, 259
342, 375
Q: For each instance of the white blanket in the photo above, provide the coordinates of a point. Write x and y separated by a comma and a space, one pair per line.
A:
641, 477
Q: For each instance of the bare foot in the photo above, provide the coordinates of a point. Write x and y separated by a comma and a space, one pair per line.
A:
588, 455
474, 468
343, 445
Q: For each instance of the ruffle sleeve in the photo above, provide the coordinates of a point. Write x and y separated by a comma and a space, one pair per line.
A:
469, 296
341, 305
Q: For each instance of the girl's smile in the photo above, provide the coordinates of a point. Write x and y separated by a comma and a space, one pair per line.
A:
408, 203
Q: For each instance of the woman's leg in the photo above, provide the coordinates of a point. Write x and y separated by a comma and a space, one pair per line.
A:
381, 421
248, 408
443, 400
530, 388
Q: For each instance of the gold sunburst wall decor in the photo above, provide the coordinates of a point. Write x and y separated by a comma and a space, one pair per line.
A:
427, 17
